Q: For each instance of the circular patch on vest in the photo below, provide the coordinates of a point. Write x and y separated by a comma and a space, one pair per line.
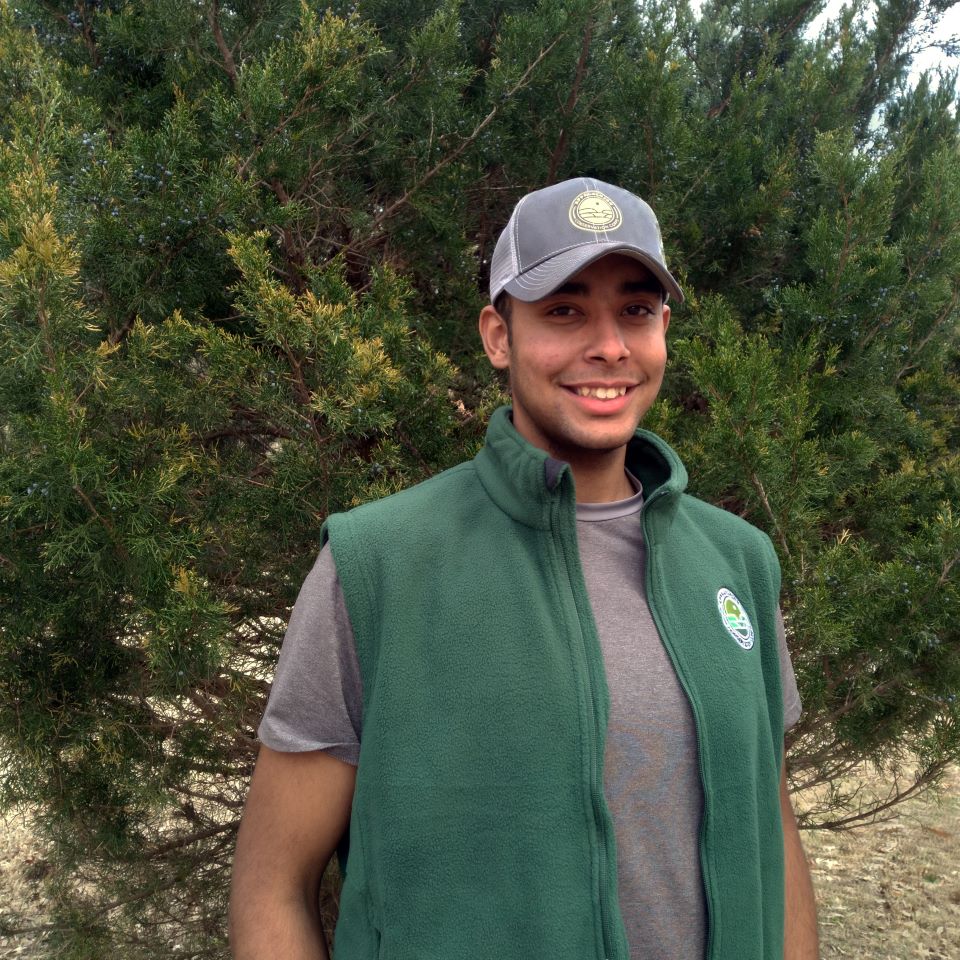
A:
594, 211
735, 618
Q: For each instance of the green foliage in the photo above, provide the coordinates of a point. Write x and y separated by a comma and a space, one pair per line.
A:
242, 248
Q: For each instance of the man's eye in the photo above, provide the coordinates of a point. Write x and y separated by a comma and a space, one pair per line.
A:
562, 310
639, 310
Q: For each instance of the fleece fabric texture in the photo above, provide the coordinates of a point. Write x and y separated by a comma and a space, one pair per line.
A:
479, 824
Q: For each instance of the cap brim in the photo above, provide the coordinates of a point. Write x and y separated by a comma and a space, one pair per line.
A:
543, 279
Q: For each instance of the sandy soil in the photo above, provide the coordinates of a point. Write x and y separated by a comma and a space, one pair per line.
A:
886, 892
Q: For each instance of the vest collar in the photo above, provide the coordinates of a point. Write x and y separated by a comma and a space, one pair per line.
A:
525, 481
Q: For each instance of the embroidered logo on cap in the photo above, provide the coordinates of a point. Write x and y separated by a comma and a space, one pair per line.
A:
595, 211
735, 618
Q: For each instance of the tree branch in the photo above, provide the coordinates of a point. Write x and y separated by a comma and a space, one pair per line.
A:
761, 492
563, 142
164, 848
402, 201
872, 813
945, 315
104, 522
85, 28
229, 65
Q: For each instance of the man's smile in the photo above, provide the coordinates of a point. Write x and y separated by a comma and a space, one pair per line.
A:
602, 398
608, 391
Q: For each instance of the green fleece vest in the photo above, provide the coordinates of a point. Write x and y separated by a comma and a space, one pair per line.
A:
480, 830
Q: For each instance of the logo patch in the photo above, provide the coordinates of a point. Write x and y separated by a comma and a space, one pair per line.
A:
594, 211
735, 618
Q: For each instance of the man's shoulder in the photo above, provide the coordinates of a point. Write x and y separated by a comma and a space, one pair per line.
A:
420, 504
391, 546
716, 522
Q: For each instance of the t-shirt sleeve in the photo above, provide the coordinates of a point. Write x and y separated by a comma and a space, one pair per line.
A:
316, 701
788, 681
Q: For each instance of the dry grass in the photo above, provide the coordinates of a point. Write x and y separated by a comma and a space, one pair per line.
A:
892, 891
23, 903
887, 892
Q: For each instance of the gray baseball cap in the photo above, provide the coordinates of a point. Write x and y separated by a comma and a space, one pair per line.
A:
555, 232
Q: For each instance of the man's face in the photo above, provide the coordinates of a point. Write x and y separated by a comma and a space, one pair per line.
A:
586, 363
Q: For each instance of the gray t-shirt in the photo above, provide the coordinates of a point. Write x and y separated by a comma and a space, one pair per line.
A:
651, 775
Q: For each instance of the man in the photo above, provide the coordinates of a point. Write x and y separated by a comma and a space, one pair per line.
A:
546, 689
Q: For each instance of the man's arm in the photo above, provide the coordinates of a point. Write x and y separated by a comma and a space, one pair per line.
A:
800, 940
296, 811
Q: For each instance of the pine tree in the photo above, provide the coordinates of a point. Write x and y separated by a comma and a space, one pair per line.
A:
242, 249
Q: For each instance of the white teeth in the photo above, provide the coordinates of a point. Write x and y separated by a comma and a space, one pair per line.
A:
602, 393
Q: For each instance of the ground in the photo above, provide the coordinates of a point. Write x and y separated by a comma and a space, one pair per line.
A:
22, 902
885, 892
892, 891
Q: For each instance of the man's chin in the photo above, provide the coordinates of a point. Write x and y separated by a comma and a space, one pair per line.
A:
597, 444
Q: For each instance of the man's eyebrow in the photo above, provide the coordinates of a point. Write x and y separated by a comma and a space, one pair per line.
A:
577, 289
641, 286
568, 289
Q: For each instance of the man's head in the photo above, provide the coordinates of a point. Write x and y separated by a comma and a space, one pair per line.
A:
555, 232
579, 284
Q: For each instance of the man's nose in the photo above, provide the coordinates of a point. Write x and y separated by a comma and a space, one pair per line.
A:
608, 342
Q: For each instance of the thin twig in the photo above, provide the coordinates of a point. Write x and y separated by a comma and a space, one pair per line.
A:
871, 815
402, 201
104, 522
164, 848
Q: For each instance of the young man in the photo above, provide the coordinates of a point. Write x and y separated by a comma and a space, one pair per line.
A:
546, 690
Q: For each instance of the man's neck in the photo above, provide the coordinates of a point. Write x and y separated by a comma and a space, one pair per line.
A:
602, 477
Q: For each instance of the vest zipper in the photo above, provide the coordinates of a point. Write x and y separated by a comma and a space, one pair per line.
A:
707, 884
596, 767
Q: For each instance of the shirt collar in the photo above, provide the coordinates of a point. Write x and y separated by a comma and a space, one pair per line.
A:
525, 481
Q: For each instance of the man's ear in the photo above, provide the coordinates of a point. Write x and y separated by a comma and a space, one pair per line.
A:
495, 337
666, 317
